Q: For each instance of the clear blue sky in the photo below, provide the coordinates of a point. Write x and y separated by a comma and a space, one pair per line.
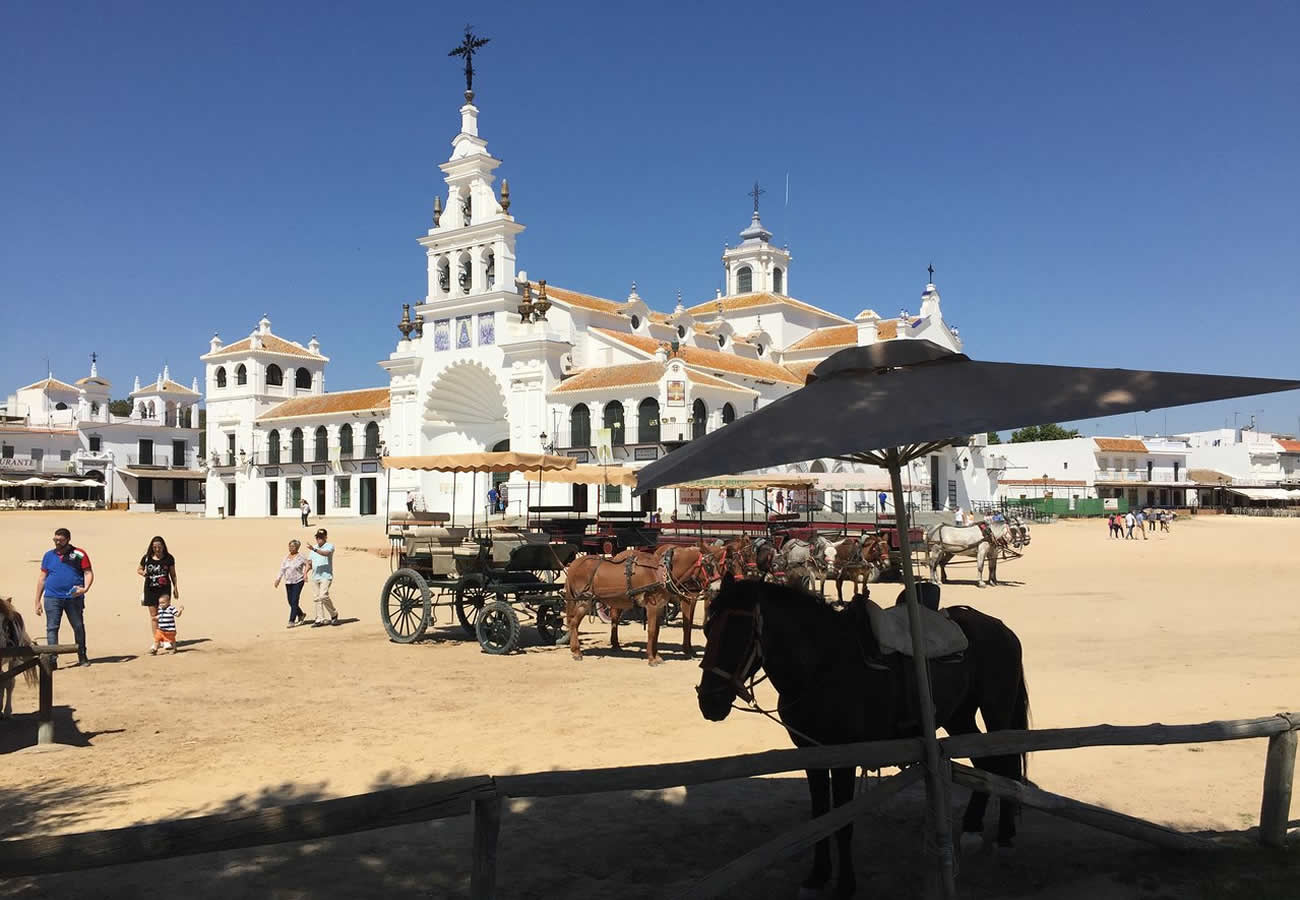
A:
1113, 184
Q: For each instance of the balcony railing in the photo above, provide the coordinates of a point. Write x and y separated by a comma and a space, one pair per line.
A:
161, 460
1158, 476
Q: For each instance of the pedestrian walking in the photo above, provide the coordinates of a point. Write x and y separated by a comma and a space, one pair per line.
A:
293, 573
61, 589
158, 567
1142, 524
494, 500
322, 576
165, 634
305, 508
1129, 522
780, 501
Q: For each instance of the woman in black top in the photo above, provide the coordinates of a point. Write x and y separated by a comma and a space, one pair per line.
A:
159, 570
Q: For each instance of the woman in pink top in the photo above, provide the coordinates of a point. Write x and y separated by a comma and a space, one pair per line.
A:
293, 572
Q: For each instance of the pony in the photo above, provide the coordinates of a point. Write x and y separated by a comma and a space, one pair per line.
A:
857, 557
638, 578
836, 686
12, 634
983, 540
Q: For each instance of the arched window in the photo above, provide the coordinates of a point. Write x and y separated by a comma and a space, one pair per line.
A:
241, 374
295, 445
489, 270
744, 280
614, 422
699, 419
302, 379
681, 331
322, 444
728, 414
153, 410
274, 375
647, 421
778, 280
580, 426
372, 440
221, 376
94, 409
345, 441
817, 466
60, 405
273, 448
142, 410
636, 321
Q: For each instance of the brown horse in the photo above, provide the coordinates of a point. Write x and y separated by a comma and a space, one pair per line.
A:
12, 634
637, 578
855, 558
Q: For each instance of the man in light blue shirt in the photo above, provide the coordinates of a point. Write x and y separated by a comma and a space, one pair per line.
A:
322, 576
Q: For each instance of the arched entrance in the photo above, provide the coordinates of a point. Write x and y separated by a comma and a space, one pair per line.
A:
500, 478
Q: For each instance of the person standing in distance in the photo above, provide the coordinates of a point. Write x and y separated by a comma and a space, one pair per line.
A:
322, 576
305, 508
61, 589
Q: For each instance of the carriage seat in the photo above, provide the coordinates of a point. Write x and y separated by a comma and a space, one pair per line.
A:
437, 535
418, 517
942, 635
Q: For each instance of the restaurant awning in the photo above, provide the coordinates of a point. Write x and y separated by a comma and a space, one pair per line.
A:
182, 474
619, 475
749, 482
1266, 493
499, 461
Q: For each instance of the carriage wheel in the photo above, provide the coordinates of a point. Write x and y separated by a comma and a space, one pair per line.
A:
497, 628
405, 606
469, 606
550, 622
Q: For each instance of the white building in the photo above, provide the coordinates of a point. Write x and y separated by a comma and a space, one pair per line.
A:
146, 461
492, 359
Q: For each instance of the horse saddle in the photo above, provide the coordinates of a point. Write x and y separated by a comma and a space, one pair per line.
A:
942, 635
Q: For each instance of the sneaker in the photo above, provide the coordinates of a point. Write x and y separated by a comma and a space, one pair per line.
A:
334, 620
167, 645
318, 624
153, 649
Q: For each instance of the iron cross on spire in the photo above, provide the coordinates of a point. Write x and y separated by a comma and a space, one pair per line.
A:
930, 269
756, 193
466, 49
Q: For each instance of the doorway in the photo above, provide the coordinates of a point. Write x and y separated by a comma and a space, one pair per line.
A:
580, 498
648, 504
230, 499
273, 498
368, 497
320, 496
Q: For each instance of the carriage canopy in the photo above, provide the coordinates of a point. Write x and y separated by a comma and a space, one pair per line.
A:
499, 461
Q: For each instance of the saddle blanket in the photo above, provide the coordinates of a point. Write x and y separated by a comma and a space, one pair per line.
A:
942, 635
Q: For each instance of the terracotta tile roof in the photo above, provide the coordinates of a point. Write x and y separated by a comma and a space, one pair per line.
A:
50, 383
362, 400
93, 380
709, 381
659, 318
573, 298
1208, 476
800, 370
712, 360
270, 344
169, 387
886, 329
613, 376
748, 301
822, 338
1045, 482
1288, 446
1120, 445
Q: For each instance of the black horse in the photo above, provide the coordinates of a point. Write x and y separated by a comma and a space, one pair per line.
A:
837, 687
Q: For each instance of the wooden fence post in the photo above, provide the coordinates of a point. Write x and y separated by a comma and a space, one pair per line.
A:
45, 718
1279, 769
485, 812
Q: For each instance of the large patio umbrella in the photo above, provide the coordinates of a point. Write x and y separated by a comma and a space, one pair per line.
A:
484, 461
894, 401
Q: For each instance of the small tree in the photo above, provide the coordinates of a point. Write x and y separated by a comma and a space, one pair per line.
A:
994, 438
119, 407
1049, 432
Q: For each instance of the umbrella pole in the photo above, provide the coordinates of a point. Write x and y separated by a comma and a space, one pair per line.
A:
453, 499
936, 781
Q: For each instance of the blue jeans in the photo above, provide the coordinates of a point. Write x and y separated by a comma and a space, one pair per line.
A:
75, 608
293, 592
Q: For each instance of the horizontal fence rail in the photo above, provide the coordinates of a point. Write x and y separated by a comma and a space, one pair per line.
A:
483, 795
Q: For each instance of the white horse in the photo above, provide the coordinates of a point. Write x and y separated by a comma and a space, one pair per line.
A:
804, 563
943, 542
12, 634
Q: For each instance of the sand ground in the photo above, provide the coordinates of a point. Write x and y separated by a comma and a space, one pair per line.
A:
1191, 626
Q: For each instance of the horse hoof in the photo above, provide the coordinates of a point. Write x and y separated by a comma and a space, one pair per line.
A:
971, 842
577, 657
656, 661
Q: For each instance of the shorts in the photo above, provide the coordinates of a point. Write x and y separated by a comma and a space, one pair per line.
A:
164, 636
151, 598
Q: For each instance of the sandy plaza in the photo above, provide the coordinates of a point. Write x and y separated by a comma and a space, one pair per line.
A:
1189, 626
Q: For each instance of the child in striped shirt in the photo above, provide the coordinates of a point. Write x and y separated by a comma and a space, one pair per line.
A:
166, 633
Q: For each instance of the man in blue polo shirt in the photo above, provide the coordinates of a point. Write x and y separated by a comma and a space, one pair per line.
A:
65, 577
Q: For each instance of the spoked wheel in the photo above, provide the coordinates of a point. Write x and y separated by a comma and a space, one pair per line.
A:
470, 601
550, 622
405, 606
497, 628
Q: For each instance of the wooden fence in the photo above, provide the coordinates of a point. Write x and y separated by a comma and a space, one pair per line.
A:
483, 796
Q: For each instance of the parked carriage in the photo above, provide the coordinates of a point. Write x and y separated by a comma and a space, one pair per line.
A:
492, 579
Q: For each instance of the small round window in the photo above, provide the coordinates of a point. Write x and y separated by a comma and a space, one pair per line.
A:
636, 322
760, 349
722, 340
681, 331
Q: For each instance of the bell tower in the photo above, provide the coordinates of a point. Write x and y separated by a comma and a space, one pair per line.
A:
755, 265
471, 246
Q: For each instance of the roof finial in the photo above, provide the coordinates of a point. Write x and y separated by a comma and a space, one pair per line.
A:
930, 269
94, 370
505, 195
467, 49
756, 193
437, 209
680, 308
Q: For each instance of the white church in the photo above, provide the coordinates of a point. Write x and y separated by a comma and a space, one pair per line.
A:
491, 359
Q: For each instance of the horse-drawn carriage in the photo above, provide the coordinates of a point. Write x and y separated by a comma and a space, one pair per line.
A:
490, 577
